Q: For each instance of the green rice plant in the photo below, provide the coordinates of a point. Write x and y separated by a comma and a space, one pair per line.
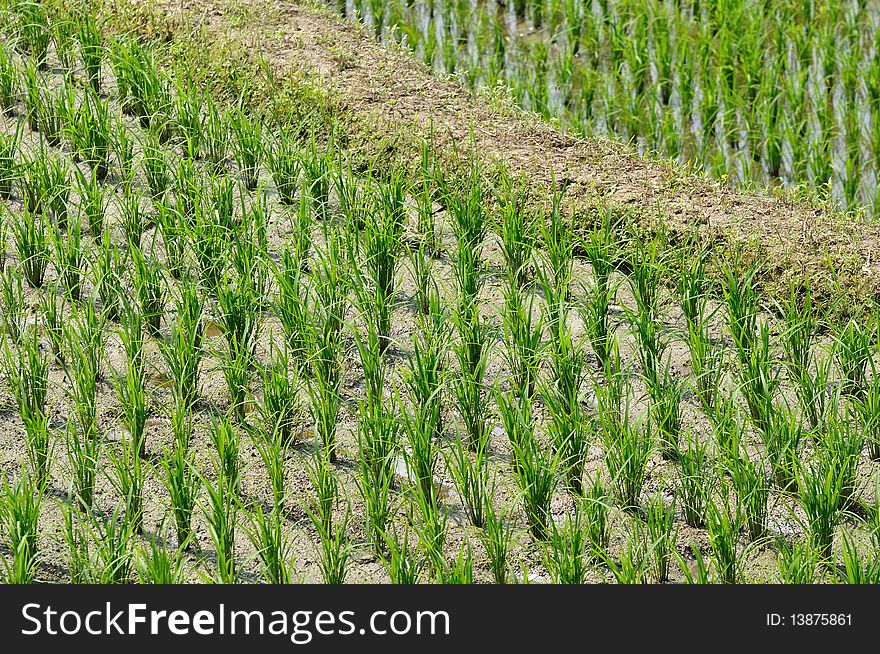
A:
31, 246
797, 563
50, 114
693, 481
472, 352
292, 308
13, 303
599, 247
156, 565
9, 79
221, 517
422, 269
20, 515
132, 220
632, 564
53, 322
83, 451
64, 35
647, 323
187, 104
91, 48
107, 272
820, 488
235, 364
375, 476
316, 167
215, 133
565, 553
123, 148
535, 470
239, 316
555, 276
79, 564
852, 350
742, 312
798, 339
91, 134
661, 533
425, 375
402, 563
425, 193
186, 190
465, 201
285, 166
27, 373
274, 551
701, 574
858, 568
523, 335
723, 525
32, 25
627, 448
869, 412
227, 445
68, 255
58, 180
156, 168
8, 165
92, 204
470, 474
752, 486
666, 411
280, 403
84, 343
782, 439
430, 524
335, 547
759, 379
113, 543
128, 479
842, 442
594, 506
421, 455
130, 387
209, 242
172, 225
272, 447
183, 349
149, 284
247, 146
517, 234
569, 428
497, 539
182, 481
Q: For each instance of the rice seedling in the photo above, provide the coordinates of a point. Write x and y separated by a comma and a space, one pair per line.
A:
842, 442
156, 565
632, 564
752, 487
9, 144
421, 455
13, 304
128, 479
58, 180
782, 438
723, 525
291, 307
91, 134
797, 563
820, 489
91, 48
172, 225
523, 335
701, 574
472, 351
661, 533
759, 379
869, 411
31, 246
79, 565
517, 237
84, 341
112, 540
335, 548
92, 203
693, 482
742, 312
316, 167
27, 373
215, 130
430, 524
149, 284
227, 445
461, 569
9, 79
247, 146
68, 251
647, 323
599, 247
425, 376
83, 450
273, 447
130, 387
535, 469
182, 482
285, 166
280, 406
858, 568
852, 350
565, 554
402, 563
569, 428
19, 516
156, 169
470, 474
221, 517
274, 552
32, 25
627, 448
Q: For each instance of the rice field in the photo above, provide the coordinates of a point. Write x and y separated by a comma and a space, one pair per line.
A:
757, 93
231, 353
